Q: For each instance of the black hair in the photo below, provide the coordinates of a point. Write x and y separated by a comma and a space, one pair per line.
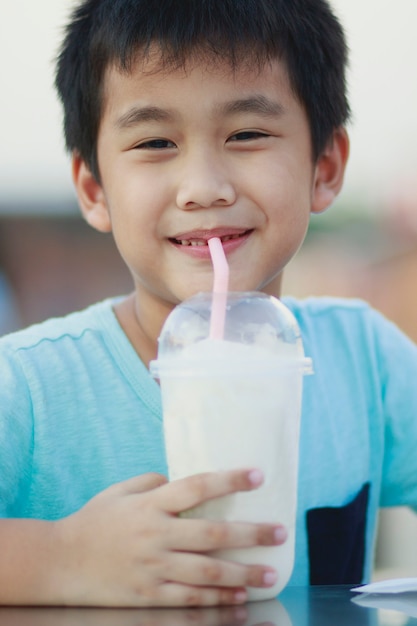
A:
304, 34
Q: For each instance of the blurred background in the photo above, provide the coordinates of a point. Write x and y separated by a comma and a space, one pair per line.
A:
365, 246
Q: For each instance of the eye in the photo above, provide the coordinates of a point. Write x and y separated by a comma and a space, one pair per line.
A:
247, 135
155, 144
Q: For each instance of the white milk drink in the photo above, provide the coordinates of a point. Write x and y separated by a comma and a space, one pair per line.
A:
234, 403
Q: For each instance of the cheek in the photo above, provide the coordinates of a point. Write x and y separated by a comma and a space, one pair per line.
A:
137, 204
288, 205
293, 195
282, 181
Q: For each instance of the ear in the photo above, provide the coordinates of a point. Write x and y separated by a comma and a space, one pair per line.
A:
91, 197
330, 170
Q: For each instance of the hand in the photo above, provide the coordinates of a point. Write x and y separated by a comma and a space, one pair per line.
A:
128, 547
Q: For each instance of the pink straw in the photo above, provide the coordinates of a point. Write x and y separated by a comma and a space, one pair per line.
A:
220, 287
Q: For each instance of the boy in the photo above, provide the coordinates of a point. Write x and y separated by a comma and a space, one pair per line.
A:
188, 120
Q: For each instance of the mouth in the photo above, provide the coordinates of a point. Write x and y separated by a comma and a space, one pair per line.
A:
200, 239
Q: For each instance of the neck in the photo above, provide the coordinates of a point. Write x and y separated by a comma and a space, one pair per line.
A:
141, 328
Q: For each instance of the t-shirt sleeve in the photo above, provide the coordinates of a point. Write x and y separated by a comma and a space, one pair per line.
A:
16, 434
397, 363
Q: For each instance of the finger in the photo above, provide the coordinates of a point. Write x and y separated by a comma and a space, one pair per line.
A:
139, 484
197, 535
189, 492
178, 595
208, 571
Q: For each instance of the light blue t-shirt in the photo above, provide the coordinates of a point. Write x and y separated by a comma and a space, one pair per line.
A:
79, 411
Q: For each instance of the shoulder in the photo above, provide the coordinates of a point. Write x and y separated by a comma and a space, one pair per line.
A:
350, 334
315, 307
327, 320
344, 316
45, 351
71, 326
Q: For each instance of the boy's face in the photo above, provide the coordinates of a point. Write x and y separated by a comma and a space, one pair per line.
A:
187, 155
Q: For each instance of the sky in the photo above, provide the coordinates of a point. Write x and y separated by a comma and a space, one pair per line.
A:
382, 85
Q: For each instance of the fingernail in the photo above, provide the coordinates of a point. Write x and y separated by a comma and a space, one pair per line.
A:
280, 534
256, 477
270, 578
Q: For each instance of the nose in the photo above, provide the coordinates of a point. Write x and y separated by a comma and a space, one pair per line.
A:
204, 183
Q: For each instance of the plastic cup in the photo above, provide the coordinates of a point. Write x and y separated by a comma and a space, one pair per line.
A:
235, 403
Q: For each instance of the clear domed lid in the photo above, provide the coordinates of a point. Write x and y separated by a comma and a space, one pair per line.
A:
251, 319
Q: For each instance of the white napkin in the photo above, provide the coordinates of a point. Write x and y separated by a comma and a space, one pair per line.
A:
394, 585
405, 603
397, 594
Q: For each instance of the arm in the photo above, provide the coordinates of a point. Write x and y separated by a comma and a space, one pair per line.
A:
128, 547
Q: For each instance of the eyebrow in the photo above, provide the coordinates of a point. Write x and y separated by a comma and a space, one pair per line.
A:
136, 115
258, 104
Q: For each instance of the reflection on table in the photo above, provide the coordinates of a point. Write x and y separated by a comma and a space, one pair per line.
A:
310, 606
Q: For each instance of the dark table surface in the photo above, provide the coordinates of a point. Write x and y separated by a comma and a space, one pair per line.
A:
311, 606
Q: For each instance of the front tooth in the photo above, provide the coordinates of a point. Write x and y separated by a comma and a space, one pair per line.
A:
197, 243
